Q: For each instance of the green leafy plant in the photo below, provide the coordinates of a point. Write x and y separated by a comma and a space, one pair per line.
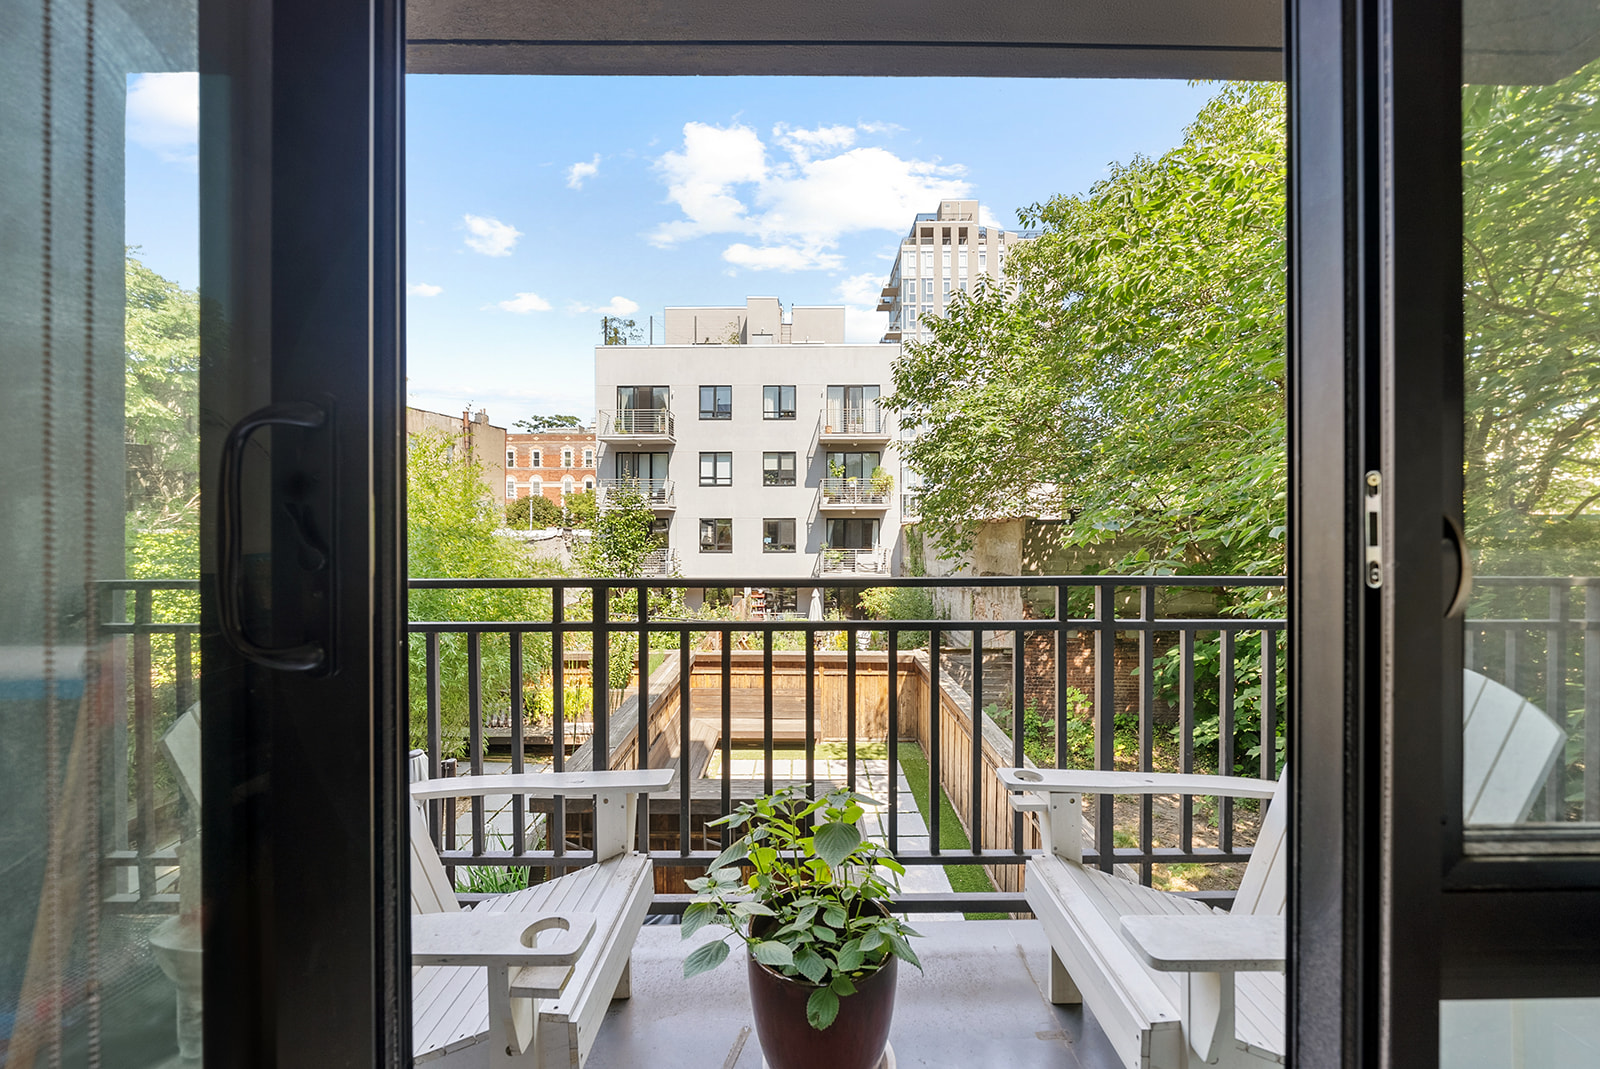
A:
882, 481
809, 908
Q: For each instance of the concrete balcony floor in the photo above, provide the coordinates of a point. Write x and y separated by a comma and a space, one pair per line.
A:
979, 1004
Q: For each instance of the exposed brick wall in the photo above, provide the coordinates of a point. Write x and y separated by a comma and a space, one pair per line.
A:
1039, 670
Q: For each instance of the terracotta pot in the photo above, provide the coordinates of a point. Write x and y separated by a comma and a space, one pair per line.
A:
855, 1040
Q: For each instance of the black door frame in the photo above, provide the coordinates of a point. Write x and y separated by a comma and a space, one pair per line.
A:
306, 934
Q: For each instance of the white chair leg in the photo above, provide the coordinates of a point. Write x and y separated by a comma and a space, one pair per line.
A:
625, 982
1062, 991
513, 1024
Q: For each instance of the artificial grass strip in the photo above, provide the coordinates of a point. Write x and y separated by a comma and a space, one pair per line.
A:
964, 879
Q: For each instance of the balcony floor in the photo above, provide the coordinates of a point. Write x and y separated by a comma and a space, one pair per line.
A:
979, 1004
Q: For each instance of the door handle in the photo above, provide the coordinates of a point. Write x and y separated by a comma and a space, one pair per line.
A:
1456, 539
307, 656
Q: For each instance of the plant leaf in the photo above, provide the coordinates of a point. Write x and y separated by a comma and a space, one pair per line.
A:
850, 956
705, 958
902, 950
696, 917
835, 842
811, 965
821, 1008
734, 853
771, 952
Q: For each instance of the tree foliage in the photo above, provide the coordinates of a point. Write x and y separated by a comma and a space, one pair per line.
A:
615, 330
623, 536
545, 513
451, 533
1531, 181
537, 424
1131, 376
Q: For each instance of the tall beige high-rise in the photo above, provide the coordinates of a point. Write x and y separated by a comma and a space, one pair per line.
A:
945, 252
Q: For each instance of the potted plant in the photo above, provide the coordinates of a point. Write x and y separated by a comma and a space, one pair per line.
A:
822, 944
882, 481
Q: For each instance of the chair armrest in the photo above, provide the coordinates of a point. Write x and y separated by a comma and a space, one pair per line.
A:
1215, 943
1091, 781
548, 784
478, 937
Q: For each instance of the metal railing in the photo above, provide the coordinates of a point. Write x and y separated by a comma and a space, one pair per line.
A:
853, 492
660, 562
1097, 676
657, 493
873, 561
640, 422
864, 420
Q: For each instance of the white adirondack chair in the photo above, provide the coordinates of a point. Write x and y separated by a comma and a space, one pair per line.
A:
480, 995
1175, 984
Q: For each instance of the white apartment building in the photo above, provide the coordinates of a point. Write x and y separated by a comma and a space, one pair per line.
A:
759, 442
946, 252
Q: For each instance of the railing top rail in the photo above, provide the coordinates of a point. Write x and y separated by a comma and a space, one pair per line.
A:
733, 627
547, 583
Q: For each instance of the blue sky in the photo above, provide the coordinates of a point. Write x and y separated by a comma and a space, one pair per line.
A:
536, 205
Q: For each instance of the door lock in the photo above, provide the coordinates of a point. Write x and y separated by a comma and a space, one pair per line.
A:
1372, 497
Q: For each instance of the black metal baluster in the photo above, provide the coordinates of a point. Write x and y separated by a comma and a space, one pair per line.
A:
686, 771
1225, 687
893, 696
1591, 700
1186, 736
850, 709
975, 768
144, 745
600, 681
475, 730
766, 709
935, 784
183, 652
1019, 678
811, 711
726, 742
1147, 724
1105, 714
1555, 695
435, 733
1063, 755
555, 831
1269, 705
641, 707
518, 839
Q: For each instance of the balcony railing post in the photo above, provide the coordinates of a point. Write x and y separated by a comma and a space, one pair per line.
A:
893, 740
934, 781
1147, 713
1063, 755
975, 771
1019, 727
726, 741
1591, 700
1186, 735
766, 709
1555, 694
475, 730
435, 739
811, 713
556, 829
1105, 713
1225, 725
600, 681
642, 705
144, 744
850, 708
685, 716
1269, 704
518, 839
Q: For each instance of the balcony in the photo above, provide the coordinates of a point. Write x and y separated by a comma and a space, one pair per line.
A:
738, 707
852, 562
660, 562
866, 425
853, 494
638, 426
657, 493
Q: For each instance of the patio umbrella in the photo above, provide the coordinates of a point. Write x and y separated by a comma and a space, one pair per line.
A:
815, 612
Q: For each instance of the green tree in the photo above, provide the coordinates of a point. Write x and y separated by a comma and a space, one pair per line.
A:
623, 536
1132, 381
581, 509
536, 424
452, 533
545, 513
1531, 183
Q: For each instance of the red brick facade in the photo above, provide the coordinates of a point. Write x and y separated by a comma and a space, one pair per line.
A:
548, 459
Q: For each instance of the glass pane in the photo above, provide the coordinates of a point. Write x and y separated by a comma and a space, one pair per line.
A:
99, 661
1531, 179
1556, 1033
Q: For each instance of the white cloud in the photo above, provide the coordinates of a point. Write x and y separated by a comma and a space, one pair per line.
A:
617, 306
780, 257
523, 303
803, 144
863, 289
863, 322
163, 115
793, 212
490, 236
423, 289
578, 172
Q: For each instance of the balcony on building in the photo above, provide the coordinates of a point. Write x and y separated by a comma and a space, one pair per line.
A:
657, 493
865, 423
854, 494
874, 561
662, 562
638, 426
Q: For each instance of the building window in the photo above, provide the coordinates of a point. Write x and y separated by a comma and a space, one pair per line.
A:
511, 458
716, 402
777, 536
535, 458
716, 469
566, 458
511, 489
777, 402
588, 458
716, 536
535, 488
853, 465
777, 469
588, 483
566, 487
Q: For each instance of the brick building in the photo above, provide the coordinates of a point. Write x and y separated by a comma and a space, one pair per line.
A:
474, 432
553, 463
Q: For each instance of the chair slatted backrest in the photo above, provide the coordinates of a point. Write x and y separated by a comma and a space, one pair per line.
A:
430, 886
1509, 746
1264, 889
